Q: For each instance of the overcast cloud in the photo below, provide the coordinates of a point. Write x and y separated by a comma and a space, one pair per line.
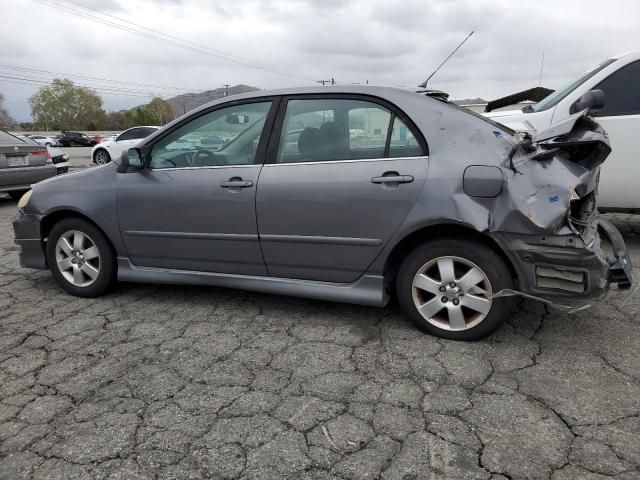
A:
385, 42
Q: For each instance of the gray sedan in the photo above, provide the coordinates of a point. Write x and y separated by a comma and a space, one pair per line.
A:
22, 164
379, 192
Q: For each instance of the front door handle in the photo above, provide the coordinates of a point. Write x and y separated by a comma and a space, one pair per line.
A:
236, 182
392, 179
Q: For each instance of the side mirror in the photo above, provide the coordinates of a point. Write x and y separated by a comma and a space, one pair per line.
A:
592, 100
130, 160
235, 119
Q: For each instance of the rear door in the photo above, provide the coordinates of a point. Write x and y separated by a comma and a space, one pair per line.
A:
343, 172
620, 118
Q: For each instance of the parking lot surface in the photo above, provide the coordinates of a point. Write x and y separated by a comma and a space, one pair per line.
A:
179, 382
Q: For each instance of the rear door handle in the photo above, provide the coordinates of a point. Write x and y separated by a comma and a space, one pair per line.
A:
236, 182
393, 179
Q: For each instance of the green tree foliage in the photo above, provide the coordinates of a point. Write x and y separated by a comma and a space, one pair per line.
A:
63, 106
159, 111
6, 121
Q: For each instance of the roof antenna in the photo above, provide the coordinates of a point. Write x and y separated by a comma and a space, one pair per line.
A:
424, 84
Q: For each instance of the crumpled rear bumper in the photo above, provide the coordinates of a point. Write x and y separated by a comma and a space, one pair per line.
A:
620, 267
549, 266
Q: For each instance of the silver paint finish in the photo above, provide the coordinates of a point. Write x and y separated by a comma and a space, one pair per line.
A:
332, 200
184, 219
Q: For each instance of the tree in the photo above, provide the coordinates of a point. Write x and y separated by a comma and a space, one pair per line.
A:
6, 121
159, 110
63, 106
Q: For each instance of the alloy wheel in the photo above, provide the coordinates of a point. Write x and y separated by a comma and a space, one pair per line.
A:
102, 157
452, 293
77, 258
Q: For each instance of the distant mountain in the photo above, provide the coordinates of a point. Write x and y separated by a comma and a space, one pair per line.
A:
188, 101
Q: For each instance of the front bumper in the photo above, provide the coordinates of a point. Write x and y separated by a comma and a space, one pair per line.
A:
563, 266
26, 228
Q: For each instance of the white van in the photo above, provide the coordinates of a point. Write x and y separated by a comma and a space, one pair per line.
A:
619, 79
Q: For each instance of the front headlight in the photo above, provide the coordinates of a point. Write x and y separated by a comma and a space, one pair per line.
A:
24, 200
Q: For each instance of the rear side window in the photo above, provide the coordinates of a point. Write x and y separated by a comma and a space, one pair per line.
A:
621, 92
144, 132
331, 129
403, 142
130, 134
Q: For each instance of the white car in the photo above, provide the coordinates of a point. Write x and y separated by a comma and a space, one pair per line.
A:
619, 79
107, 150
44, 140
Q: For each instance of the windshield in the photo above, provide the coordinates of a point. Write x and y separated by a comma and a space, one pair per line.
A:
553, 99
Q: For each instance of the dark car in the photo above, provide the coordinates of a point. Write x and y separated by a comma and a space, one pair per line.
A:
450, 213
76, 139
22, 163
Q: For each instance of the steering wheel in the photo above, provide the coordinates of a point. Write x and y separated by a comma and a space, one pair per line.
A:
206, 158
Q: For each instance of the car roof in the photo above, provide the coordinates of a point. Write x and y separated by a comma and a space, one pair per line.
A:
383, 92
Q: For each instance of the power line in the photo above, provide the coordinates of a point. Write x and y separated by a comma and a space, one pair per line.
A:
122, 82
170, 39
40, 83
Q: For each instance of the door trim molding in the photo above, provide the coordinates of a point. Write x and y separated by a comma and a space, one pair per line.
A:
236, 237
322, 240
357, 160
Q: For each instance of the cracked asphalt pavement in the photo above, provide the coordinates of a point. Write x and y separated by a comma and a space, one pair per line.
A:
184, 383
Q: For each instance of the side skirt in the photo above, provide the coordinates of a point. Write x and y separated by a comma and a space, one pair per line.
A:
367, 290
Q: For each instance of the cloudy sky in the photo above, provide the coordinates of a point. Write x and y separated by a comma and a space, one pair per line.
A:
380, 41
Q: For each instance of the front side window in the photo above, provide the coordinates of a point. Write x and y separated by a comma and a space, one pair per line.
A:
621, 92
228, 136
128, 135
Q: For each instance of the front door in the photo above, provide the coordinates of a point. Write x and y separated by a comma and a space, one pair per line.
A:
193, 206
343, 174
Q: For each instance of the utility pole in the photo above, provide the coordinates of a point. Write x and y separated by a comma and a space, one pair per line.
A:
226, 89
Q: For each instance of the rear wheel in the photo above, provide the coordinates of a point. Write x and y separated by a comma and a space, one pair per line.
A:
80, 258
101, 157
446, 288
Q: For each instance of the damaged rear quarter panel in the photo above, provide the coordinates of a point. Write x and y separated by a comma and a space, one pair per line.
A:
536, 196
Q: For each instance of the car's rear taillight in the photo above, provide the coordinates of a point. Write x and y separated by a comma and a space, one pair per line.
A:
43, 153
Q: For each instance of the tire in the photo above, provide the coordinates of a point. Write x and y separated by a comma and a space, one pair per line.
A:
101, 157
48, 144
78, 278
17, 194
464, 310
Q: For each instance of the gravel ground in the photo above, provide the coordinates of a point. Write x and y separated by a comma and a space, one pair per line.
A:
178, 382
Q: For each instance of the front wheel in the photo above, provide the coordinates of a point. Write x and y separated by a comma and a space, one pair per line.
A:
101, 157
446, 288
80, 258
